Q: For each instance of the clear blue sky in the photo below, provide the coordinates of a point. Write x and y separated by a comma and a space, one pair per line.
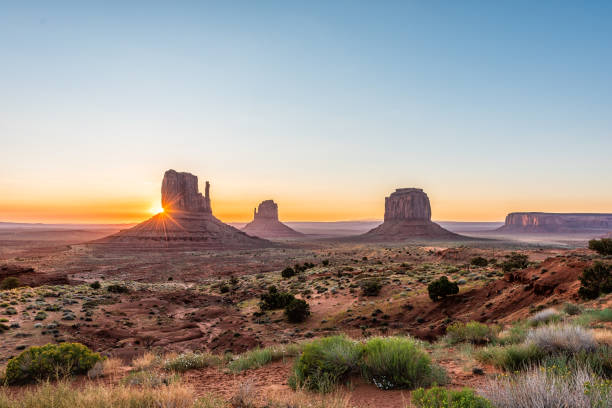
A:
325, 106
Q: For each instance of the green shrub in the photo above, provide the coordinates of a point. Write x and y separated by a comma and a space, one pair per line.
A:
511, 358
515, 261
371, 287
572, 309
288, 272
442, 287
50, 361
191, 361
274, 299
297, 311
472, 332
325, 362
601, 246
9, 283
259, 357
438, 397
40, 316
595, 281
479, 261
398, 362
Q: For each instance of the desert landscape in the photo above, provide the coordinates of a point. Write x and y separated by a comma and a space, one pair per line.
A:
306, 204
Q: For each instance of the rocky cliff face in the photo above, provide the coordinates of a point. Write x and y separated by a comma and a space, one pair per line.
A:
266, 210
180, 192
407, 204
408, 217
555, 222
265, 223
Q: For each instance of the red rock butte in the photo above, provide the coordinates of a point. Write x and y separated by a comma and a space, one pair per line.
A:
265, 223
539, 222
408, 217
187, 221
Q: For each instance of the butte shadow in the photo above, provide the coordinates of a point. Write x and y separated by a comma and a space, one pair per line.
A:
187, 222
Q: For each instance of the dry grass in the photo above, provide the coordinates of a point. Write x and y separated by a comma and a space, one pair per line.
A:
111, 367
245, 396
301, 399
603, 336
63, 395
144, 362
541, 388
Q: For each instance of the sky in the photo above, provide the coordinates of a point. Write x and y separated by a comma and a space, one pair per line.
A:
324, 106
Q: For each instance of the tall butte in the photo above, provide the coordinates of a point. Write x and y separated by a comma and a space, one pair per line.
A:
265, 223
187, 221
408, 217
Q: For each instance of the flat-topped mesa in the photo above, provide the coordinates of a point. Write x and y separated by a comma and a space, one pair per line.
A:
267, 209
408, 217
180, 192
407, 204
557, 222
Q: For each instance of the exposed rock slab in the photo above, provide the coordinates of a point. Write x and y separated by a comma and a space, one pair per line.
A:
535, 222
408, 217
187, 221
265, 223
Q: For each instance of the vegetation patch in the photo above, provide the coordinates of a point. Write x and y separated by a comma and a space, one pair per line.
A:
437, 397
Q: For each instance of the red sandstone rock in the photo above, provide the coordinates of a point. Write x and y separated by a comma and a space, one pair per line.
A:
555, 222
187, 221
408, 217
265, 223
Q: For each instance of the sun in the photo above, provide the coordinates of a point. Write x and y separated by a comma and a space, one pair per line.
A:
157, 209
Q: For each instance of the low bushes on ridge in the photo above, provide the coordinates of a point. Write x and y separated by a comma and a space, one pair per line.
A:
437, 397
472, 332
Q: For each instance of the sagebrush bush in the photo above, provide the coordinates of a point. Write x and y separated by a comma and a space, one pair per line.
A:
572, 309
398, 362
542, 387
545, 316
50, 361
561, 339
288, 272
325, 362
190, 361
371, 287
479, 261
437, 397
472, 332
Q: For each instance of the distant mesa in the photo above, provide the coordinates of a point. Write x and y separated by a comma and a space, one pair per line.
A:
408, 217
539, 222
265, 223
187, 221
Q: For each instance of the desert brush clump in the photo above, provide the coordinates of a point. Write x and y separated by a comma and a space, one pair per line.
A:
371, 287
471, 332
324, 363
545, 316
398, 362
549, 387
297, 311
601, 246
515, 261
190, 361
274, 299
9, 283
51, 361
438, 397
261, 356
561, 339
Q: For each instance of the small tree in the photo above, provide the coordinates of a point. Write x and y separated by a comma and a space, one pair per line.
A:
515, 261
595, 280
297, 311
442, 287
275, 299
601, 246
95, 285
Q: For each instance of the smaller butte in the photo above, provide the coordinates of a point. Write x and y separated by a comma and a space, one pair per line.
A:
265, 223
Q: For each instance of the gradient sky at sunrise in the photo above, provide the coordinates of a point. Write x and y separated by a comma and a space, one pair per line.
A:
324, 106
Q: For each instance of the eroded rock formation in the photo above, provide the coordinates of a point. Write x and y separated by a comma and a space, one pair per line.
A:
408, 217
265, 223
187, 221
557, 222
